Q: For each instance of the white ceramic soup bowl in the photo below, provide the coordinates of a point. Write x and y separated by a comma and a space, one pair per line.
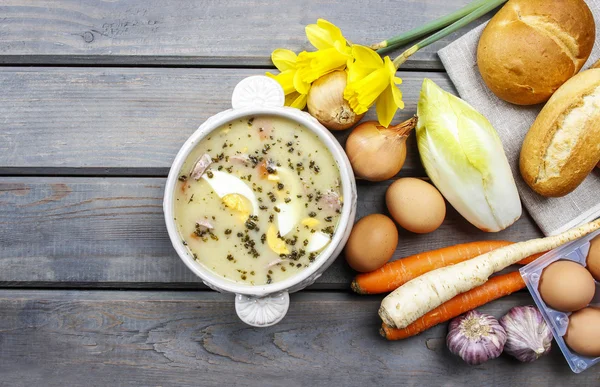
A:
264, 305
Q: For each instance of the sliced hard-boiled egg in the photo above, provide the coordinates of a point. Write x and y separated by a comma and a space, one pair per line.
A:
290, 212
287, 218
275, 243
317, 242
238, 203
225, 184
310, 222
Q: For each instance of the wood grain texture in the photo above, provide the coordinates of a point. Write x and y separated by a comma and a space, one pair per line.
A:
99, 338
126, 121
110, 232
206, 32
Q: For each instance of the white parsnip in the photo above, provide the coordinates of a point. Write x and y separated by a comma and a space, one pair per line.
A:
415, 298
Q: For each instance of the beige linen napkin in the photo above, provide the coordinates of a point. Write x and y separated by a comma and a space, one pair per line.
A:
552, 215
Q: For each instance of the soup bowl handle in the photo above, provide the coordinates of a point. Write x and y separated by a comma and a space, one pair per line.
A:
262, 311
257, 91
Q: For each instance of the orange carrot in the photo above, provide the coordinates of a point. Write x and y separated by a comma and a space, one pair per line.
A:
531, 258
494, 288
394, 274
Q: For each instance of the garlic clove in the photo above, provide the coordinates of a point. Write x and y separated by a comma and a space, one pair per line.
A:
528, 335
475, 337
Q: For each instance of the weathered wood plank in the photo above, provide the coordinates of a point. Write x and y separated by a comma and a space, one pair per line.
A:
124, 121
109, 232
74, 338
207, 32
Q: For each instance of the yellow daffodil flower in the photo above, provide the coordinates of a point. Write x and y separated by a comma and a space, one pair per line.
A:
372, 80
286, 63
333, 53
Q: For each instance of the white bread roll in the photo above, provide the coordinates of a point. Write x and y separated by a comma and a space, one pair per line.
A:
563, 145
531, 47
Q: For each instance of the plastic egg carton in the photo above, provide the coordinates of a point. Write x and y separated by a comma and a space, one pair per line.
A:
576, 251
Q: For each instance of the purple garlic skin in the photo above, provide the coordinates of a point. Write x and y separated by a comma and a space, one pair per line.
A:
529, 337
475, 337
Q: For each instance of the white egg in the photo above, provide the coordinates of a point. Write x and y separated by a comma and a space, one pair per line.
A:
287, 218
224, 184
291, 212
317, 242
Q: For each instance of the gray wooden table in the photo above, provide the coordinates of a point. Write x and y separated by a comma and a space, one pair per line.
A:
96, 98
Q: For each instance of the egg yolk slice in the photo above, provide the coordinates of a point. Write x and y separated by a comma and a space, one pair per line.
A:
238, 203
310, 222
275, 243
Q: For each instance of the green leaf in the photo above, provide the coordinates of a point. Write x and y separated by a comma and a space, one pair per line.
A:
464, 158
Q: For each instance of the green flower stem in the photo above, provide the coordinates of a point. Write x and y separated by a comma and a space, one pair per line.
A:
490, 5
423, 30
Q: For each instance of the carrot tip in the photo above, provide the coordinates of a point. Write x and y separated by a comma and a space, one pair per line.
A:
356, 287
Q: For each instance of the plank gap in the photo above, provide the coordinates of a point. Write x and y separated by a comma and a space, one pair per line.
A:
170, 62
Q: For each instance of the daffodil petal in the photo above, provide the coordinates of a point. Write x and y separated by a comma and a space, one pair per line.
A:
343, 48
324, 35
313, 65
386, 107
296, 100
366, 57
300, 85
389, 65
286, 80
334, 31
356, 73
397, 94
365, 62
318, 37
363, 93
284, 59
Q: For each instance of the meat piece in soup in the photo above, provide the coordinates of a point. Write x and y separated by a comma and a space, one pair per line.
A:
260, 199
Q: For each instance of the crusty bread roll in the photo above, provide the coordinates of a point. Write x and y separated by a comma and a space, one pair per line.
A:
531, 47
597, 66
563, 145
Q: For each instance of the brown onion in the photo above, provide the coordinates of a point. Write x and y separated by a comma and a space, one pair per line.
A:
378, 153
326, 102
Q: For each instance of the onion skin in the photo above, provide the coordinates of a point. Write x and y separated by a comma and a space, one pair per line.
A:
528, 335
325, 102
475, 337
378, 153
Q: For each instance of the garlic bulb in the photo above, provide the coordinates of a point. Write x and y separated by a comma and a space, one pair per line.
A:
529, 337
475, 337
326, 102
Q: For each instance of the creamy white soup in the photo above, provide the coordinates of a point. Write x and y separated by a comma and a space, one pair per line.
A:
258, 199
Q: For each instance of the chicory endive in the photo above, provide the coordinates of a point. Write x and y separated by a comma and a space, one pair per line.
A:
463, 156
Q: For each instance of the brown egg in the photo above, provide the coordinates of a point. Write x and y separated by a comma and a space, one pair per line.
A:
593, 258
566, 286
416, 205
372, 243
583, 332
